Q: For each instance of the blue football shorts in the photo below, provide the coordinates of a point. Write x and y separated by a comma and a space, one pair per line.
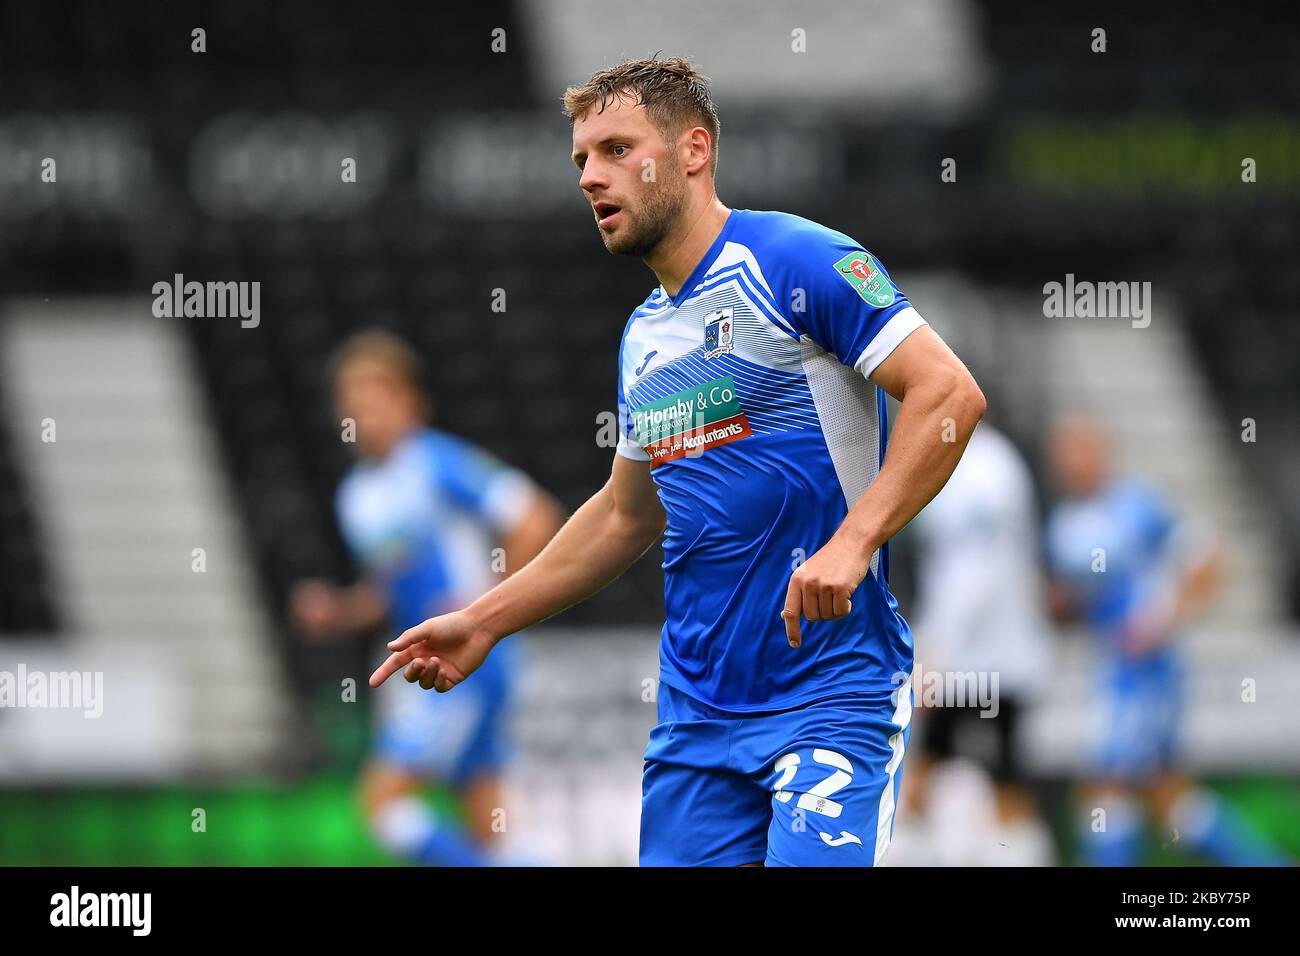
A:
814, 785
1142, 703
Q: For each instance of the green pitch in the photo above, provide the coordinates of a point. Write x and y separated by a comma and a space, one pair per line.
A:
316, 823
310, 824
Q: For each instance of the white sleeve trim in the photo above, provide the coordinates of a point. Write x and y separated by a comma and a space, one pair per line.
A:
900, 325
630, 449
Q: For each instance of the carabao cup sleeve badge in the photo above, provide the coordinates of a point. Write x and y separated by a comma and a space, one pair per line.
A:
862, 272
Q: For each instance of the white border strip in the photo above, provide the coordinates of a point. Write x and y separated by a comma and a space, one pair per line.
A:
900, 325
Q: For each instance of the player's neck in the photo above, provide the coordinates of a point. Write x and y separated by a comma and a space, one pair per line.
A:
379, 451
674, 264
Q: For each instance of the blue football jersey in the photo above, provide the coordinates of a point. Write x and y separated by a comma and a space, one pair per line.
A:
1113, 551
749, 393
424, 520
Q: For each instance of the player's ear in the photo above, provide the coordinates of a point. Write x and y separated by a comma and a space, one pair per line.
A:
698, 150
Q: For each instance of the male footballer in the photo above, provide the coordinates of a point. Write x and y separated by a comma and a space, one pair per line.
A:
751, 399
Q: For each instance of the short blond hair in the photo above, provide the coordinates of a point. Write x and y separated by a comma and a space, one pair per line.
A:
385, 349
676, 96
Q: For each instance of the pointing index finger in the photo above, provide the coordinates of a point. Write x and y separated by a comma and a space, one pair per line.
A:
396, 661
790, 615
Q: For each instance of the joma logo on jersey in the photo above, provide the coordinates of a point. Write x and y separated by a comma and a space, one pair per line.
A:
691, 421
862, 272
718, 334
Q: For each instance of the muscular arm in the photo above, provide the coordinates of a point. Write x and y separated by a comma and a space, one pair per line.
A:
604, 537
595, 546
940, 407
323, 611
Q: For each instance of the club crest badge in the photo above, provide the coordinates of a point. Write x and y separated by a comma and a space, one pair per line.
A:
719, 337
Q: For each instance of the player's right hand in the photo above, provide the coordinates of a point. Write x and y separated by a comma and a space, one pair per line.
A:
439, 653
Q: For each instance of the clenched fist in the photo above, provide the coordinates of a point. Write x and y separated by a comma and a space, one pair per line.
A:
821, 588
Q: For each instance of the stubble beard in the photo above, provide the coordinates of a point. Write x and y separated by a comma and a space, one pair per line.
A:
659, 210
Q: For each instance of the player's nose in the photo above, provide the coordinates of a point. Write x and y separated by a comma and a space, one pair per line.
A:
592, 178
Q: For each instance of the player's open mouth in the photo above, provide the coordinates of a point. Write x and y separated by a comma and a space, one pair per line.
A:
605, 213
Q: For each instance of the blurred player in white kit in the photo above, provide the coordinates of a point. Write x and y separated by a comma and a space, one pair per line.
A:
981, 613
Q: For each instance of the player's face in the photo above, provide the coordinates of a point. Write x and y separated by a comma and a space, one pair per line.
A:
383, 406
1080, 460
630, 176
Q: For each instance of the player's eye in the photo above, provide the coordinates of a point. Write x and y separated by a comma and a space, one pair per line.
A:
616, 149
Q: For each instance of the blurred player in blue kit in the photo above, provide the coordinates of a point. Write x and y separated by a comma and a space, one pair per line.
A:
423, 513
1137, 576
754, 440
